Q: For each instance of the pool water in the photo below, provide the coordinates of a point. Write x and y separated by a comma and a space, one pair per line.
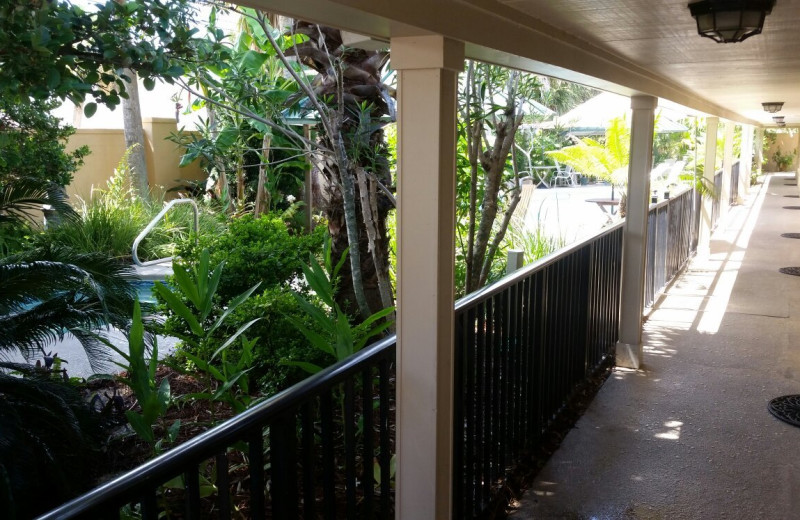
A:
144, 291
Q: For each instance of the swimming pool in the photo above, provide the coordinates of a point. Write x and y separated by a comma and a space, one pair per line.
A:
144, 291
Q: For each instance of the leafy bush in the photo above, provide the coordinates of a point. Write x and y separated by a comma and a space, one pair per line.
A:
255, 250
47, 445
112, 218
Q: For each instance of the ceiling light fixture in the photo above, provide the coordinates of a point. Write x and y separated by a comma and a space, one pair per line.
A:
730, 21
778, 119
772, 106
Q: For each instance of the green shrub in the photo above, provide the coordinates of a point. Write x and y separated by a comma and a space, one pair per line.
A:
276, 339
256, 250
112, 219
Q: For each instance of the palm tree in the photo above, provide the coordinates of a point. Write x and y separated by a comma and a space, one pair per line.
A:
50, 290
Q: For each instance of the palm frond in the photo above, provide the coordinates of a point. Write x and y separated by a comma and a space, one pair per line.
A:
22, 198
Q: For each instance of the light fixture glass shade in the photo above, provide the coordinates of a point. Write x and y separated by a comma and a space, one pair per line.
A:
730, 21
772, 106
778, 119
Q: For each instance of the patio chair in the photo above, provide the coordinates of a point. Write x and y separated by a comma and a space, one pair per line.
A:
565, 175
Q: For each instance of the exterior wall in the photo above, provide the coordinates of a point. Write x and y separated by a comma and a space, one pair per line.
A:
107, 147
787, 143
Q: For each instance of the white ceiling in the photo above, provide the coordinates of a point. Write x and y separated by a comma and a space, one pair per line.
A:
625, 46
661, 36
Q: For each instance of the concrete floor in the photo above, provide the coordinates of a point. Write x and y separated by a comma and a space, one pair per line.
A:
689, 436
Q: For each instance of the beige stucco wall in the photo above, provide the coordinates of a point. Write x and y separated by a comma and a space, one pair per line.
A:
107, 147
787, 143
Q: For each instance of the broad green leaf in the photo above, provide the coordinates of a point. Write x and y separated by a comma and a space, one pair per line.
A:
232, 305
89, 109
311, 368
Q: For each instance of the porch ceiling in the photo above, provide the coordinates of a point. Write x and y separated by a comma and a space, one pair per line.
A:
625, 46
662, 37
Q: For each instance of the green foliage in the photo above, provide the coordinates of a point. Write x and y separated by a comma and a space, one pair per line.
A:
153, 398
112, 218
47, 445
51, 290
255, 250
56, 49
339, 339
202, 318
783, 161
535, 244
33, 143
605, 160
278, 340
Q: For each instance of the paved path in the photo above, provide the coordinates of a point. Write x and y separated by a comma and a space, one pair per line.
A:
689, 437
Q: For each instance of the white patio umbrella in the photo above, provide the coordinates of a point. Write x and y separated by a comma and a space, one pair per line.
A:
593, 116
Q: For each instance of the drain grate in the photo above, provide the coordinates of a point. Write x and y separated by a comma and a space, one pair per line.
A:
794, 271
790, 235
790, 184
791, 207
786, 408
792, 196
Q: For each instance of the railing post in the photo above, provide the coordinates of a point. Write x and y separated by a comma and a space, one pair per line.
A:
709, 170
427, 68
516, 259
634, 252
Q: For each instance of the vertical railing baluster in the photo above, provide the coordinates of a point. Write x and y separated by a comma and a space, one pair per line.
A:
255, 454
223, 486
283, 465
149, 505
350, 447
385, 454
368, 451
328, 464
309, 460
192, 492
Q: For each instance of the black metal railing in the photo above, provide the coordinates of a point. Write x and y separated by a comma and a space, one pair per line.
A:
671, 240
715, 205
523, 347
734, 183
321, 448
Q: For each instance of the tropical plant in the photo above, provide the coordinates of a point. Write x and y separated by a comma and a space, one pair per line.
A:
51, 290
48, 443
339, 339
153, 397
783, 161
33, 144
491, 112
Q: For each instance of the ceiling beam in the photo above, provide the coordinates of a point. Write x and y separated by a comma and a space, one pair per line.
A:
495, 33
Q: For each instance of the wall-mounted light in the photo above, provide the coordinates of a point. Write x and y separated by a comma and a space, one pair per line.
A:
730, 21
772, 106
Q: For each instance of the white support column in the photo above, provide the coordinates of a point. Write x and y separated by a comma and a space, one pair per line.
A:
634, 252
759, 148
727, 166
709, 169
746, 161
427, 68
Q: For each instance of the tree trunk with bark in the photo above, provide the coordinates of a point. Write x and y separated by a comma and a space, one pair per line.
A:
134, 136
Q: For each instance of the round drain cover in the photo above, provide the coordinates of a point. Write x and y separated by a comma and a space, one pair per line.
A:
790, 235
794, 271
791, 207
786, 408
790, 184
792, 196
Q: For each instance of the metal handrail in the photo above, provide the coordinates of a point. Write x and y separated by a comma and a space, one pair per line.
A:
152, 225
128, 486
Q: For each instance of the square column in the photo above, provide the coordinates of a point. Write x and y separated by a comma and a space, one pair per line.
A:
746, 160
634, 249
709, 169
727, 167
427, 68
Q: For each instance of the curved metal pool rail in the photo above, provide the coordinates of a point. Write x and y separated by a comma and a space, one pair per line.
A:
146, 231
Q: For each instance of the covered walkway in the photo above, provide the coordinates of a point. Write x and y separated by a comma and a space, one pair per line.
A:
689, 436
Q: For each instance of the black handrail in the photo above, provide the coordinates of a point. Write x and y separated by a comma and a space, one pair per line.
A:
140, 483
